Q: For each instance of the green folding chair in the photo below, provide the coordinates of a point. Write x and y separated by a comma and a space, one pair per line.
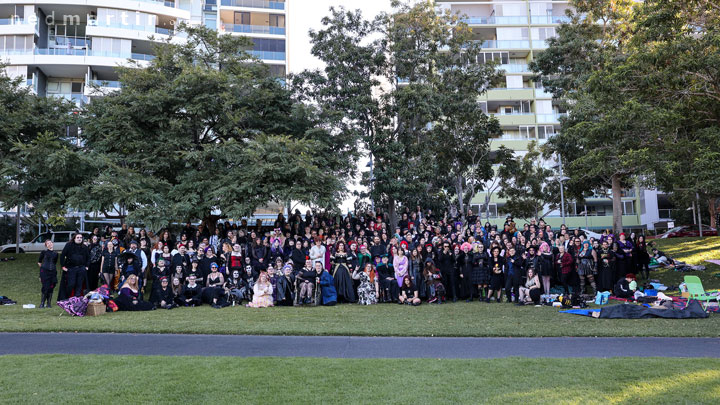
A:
697, 292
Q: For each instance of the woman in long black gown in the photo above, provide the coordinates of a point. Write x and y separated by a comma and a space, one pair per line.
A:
341, 275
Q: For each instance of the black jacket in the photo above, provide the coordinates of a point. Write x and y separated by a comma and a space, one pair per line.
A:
75, 255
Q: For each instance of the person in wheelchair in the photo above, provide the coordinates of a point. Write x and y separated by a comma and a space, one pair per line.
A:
306, 280
388, 283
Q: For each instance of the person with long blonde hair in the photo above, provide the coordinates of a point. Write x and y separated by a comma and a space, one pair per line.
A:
262, 292
129, 298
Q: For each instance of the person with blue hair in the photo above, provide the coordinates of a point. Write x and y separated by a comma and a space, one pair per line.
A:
586, 268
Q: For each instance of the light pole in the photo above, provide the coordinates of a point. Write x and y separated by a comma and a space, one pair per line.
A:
372, 181
561, 178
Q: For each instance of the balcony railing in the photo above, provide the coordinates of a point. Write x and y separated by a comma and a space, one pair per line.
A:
549, 118
497, 20
166, 3
514, 68
500, 114
509, 88
252, 29
539, 44
78, 99
549, 19
274, 5
82, 52
82, 42
106, 83
665, 213
16, 21
506, 44
144, 28
268, 55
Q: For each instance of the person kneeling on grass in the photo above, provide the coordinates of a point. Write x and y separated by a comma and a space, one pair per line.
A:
530, 292
408, 293
625, 287
328, 292
162, 295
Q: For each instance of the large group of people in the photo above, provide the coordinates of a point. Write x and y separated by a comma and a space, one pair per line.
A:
324, 259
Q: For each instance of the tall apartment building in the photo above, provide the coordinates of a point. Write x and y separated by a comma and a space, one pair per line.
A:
512, 33
61, 47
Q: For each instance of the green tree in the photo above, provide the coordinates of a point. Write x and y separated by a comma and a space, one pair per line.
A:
607, 132
38, 162
527, 185
387, 82
204, 132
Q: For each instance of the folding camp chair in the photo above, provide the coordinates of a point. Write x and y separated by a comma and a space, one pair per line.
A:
697, 292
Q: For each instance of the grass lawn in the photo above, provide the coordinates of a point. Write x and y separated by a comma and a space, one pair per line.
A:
18, 280
96, 379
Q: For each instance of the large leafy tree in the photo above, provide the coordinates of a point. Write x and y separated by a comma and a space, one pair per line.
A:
204, 132
607, 133
674, 66
387, 82
38, 160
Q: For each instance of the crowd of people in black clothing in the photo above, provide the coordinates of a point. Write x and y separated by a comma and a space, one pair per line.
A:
327, 259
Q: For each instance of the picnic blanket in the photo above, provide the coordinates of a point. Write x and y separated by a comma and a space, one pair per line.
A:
629, 311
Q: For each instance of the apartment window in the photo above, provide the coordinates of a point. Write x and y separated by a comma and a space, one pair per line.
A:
277, 70
211, 20
545, 33
242, 17
277, 20
527, 132
499, 57
483, 106
16, 42
484, 210
269, 45
545, 131
628, 207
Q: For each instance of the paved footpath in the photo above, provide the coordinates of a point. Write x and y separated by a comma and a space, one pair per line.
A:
352, 347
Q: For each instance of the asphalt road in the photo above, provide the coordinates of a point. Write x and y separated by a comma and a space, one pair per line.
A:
352, 347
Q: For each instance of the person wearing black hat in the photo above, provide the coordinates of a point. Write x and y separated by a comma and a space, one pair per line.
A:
386, 278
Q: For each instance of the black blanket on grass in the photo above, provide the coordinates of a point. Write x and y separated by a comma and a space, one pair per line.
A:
626, 311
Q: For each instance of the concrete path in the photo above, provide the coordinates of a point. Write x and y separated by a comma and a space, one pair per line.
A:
352, 347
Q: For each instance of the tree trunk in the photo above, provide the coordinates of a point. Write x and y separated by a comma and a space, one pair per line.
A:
460, 193
617, 204
210, 223
712, 208
393, 214
487, 207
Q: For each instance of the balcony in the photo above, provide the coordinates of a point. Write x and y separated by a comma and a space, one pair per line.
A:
539, 44
549, 19
550, 118
515, 68
511, 120
78, 99
506, 44
501, 94
113, 84
18, 26
268, 55
165, 3
144, 28
252, 29
496, 20
273, 5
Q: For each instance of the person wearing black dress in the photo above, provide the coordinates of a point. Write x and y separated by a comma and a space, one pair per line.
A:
446, 264
465, 266
480, 276
496, 264
190, 296
341, 275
